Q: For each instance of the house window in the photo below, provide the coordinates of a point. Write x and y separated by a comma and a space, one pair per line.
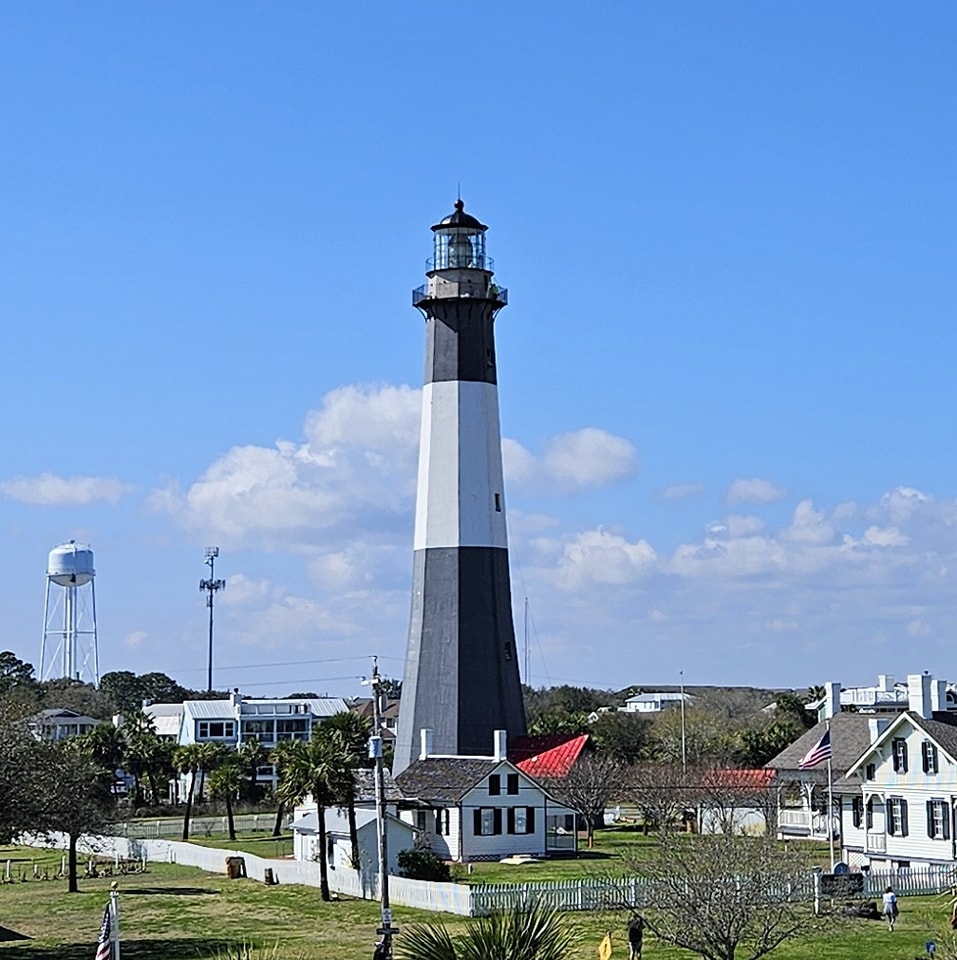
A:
870, 771
521, 820
215, 729
487, 822
938, 820
494, 785
900, 755
442, 822
869, 813
897, 817
928, 755
420, 820
857, 811
512, 784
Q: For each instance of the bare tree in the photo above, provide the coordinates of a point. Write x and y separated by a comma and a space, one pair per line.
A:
719, 894
662, 792
588, 787
733, 801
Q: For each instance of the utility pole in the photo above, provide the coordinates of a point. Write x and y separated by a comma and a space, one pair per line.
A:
383, 949
684, 752
210, 586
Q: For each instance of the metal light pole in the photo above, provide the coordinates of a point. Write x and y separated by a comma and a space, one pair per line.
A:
210, 587
684, 753
383, 949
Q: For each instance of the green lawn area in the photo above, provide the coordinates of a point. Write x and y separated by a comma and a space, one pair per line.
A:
172, 912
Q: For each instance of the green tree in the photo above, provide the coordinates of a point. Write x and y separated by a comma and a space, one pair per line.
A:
317, 769
252, 755
537, 933
759, 745
21, 758
14, 672
559, 720
789, 707
588, 786
624, 736
352, 733
225, 782
147, 757
186, 760
74, 798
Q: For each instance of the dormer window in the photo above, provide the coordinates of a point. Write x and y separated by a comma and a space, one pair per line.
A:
928, 753
870, 771
494, 785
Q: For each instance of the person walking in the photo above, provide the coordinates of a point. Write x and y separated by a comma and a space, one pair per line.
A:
890, 908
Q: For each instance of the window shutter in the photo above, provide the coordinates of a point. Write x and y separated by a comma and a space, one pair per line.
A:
930, 818
870, 813
497, 829
933, 758
903, 804
530, 820
946, 820
477, 822
512, 783
494, 785
511, 820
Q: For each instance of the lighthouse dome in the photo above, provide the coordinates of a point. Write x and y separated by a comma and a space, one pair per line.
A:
459, 218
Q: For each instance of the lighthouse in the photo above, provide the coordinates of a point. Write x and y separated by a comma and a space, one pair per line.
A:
461, 668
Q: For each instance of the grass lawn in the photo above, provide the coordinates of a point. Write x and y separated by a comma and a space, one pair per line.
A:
173, 912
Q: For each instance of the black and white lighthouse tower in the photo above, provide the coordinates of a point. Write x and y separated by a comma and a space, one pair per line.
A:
461, 667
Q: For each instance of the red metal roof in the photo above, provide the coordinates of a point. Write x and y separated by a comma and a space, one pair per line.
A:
741, 779
547, 755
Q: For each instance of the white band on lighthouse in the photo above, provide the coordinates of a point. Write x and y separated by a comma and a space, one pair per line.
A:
460, 500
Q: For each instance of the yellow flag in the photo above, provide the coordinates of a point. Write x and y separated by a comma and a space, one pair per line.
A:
604, 948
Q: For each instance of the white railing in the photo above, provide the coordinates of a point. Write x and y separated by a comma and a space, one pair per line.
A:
876, 843
198, 826
580, 894
794, 818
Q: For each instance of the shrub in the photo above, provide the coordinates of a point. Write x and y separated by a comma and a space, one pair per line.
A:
422, 865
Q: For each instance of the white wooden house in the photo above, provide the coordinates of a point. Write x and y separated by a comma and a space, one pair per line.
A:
482, 808
901, 811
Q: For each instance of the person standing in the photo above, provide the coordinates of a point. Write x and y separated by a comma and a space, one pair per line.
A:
636, 931
890, 908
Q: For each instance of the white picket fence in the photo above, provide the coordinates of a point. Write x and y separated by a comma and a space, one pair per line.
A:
198, 826
480, 900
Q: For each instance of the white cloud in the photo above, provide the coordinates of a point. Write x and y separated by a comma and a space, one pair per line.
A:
570, 462
599, 557
754, 490
135, 639
356, 467
681, 491
50, 490
809, 525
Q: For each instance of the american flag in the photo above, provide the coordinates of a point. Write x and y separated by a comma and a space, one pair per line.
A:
104, 943
820, 752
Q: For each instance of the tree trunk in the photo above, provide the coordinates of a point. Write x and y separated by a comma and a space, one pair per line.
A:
353, 834
277, 826
72, 885
189, 804
323, 866
229, 817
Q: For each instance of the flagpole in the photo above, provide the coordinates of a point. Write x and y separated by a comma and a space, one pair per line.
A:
830, 799
115, 908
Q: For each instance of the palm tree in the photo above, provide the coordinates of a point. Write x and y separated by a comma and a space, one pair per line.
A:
351, 731
252, 754
225, 782
538, 933
279, 757
314, 769
210, 755
187, 760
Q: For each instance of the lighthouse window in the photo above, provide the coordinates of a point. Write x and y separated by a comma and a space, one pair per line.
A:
498, 503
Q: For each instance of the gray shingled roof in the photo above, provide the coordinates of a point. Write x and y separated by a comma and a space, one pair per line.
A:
443, 778
942, 728
850, 737
365, 786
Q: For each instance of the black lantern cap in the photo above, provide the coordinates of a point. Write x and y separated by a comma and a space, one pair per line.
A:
460, 219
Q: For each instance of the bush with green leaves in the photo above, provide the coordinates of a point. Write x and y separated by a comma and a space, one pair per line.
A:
537, 933
419, 864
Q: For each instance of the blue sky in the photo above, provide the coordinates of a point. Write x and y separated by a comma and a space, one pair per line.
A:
725, 373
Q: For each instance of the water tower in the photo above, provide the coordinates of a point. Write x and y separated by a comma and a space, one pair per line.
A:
68, 648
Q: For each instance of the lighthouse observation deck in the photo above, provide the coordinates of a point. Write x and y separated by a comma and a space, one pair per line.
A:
475, 286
